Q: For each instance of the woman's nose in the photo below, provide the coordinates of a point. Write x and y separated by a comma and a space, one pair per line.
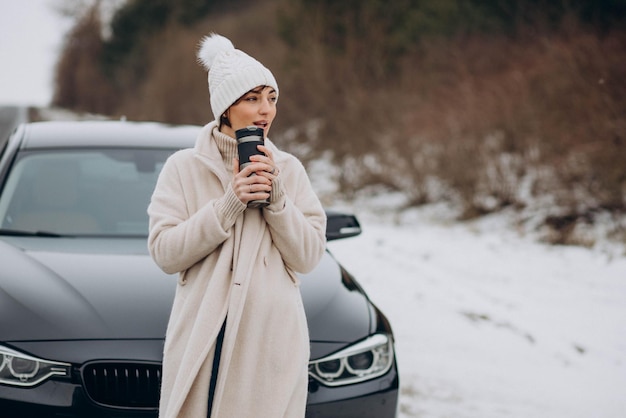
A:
265, 106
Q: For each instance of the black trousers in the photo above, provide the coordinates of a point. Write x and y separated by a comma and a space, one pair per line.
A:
216, 366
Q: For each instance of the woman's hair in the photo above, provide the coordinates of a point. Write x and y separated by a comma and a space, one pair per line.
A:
224, 121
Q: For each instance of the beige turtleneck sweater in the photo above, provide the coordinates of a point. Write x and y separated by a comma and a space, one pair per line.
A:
227, 146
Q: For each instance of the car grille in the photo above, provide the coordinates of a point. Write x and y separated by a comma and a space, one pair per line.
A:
123, 385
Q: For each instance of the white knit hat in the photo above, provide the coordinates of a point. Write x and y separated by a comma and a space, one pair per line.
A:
232, 73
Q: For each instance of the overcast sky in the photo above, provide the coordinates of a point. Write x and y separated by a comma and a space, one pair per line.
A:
31, 36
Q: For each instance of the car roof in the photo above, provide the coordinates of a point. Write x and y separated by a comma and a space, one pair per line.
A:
109, 133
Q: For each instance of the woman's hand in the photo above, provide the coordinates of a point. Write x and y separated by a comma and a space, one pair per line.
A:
254, 182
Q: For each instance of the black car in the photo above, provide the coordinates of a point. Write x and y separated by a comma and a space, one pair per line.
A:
83, 308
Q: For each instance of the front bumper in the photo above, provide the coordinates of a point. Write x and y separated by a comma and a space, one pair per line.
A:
66, 396
377, 398
54, 399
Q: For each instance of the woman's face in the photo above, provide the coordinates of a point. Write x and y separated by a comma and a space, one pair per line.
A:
257, 107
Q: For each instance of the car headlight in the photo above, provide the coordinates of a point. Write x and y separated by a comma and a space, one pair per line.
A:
18, 369
362, 361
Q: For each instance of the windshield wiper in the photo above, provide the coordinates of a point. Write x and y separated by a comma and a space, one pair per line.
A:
21, 233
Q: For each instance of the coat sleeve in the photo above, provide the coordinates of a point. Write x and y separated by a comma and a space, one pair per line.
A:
178, 239
296, 220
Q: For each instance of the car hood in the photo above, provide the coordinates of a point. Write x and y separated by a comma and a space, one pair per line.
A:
60, 289
337, 310
81, 289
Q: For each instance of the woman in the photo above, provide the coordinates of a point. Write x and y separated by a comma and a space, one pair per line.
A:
237, 265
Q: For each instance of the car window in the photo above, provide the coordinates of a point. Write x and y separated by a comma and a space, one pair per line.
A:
102, 192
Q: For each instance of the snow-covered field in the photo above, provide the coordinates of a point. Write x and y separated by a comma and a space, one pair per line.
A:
492, 324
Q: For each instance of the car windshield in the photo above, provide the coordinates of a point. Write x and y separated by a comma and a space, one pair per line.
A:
102, 192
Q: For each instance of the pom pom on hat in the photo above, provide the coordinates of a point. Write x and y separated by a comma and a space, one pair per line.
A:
232, 73
210, 46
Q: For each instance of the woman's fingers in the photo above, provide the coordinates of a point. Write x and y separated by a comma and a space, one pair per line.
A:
267, 159
248, 186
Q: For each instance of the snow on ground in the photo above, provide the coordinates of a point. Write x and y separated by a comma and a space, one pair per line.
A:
491, 324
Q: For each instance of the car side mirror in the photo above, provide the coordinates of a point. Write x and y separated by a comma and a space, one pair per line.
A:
341, 225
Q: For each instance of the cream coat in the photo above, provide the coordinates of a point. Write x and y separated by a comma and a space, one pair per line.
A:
241, 262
